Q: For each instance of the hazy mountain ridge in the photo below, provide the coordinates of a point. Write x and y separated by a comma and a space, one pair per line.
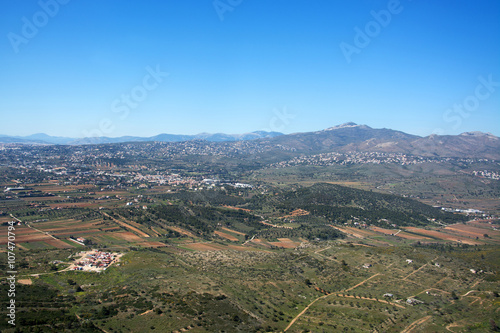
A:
348, 137
42, 138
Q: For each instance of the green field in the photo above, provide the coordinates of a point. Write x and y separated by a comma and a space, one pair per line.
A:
290, 255
171, 289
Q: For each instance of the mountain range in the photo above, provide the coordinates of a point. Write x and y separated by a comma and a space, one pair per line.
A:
362, 138
342, 138
42, 138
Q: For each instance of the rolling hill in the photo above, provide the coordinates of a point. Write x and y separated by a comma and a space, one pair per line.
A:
362, 138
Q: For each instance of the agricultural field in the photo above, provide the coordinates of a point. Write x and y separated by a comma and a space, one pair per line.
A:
323, 287
337, 256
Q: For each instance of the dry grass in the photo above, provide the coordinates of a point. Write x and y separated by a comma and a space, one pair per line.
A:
27, 282
127, 236
285, 243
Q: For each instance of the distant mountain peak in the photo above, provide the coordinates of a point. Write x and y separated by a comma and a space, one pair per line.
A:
346, 125
479, 134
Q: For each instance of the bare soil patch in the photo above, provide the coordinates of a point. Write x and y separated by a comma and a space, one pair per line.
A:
234, 231
398, 233
285, 243
128, 236
472, 231
73, 227
226, 236
407, 235
442, 235
152, 244
482, 224
58, 243
5, 219
110, 229
297, 212
27, 282
77, 232
182, 231
261, 242
351, 231
129, 225
237, 208
34, 237
384, 231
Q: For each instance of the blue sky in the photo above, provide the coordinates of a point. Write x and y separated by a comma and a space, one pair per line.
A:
113, 68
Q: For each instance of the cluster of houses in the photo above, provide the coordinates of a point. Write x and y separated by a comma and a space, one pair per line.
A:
96, 261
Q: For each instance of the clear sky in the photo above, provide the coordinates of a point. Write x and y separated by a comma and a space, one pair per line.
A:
113, 68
